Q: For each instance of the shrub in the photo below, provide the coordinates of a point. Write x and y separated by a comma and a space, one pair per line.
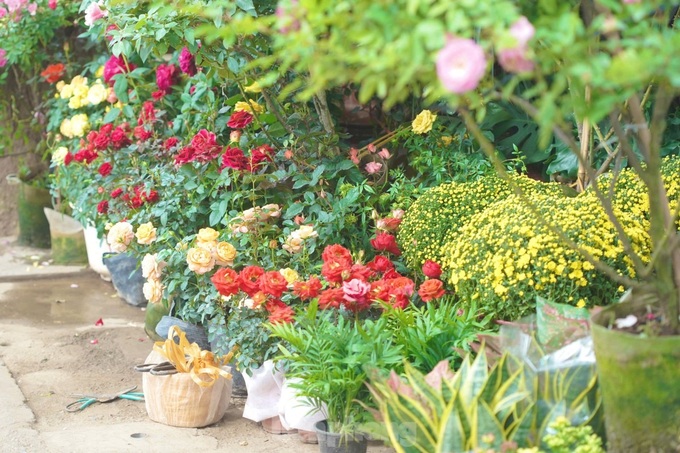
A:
503, 257
435, 218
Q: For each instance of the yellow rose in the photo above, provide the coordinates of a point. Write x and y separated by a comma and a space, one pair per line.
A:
65, 128
75, 102
200, 260
97, 94
58, 155
79, 81
290, 275
250, 107
207, 235
60, 85
225, 253
146, 233
80, 125
153, 291
151, 267
66, 91
423, 122
253, 88
100, 72
119, 237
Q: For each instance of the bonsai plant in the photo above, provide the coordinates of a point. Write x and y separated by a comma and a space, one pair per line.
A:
327, 355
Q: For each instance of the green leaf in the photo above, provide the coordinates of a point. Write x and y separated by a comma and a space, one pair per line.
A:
120, 88
111, 116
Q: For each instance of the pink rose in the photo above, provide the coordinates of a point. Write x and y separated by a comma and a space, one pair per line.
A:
3, 57
187, 62
93, 13
355, 290
32, 8
52, 4
514, 59
461, 64
116, 65
373, 167
166, 75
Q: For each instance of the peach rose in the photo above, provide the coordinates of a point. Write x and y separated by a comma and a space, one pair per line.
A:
200, 260
146, 233
153, 291
151, 267
225, 253
207, 238
119, 237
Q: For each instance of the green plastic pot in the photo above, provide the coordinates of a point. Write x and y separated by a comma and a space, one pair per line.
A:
67, 238
34, 230
640, 382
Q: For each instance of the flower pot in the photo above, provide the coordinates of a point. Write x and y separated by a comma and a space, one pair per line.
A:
96, 248
66, 238
337, 443
264, 392
126, 277
34, 230
640, 382
176, 400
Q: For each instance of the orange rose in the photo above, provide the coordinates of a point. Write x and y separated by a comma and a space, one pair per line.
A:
431, 289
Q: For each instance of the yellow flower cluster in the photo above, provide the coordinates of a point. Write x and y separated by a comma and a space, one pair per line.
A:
80, 94
504, 256
435, 217
250, 107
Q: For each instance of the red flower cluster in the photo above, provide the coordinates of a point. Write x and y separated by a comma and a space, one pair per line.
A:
138, 197
202, 148
386, 242
85, 155
108, 136
53, 73
236, 159
148, 113
240, 120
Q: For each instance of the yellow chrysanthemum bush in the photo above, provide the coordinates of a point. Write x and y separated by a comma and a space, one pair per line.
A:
435, 217
504, 256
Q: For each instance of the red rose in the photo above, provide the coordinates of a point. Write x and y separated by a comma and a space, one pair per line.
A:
391, 274
158, 95
337, 252
273, 283
166, 77
380, 291
432, 269
233, 158
239, 120
205, 146
85, 156
226, 281
116, 65
401, 290
386, 242
170, 143
136, 202
54, 72
68, 158
103, 207
148, 113
331, 298
279, 312
361, 272
186, 155
389, 224
260, 155
249, 279
115, 193
336, 271
431, 289
119, 138
307, 290
380, 264
187, 62
105, 169
142, 134
151, 196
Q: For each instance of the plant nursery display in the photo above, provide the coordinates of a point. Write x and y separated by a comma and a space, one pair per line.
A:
397, 214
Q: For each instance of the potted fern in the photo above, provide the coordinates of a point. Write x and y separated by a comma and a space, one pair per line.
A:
326, 360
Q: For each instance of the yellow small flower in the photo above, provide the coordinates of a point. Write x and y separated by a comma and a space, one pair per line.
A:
447, 140
422, 123
581, 303
100, 72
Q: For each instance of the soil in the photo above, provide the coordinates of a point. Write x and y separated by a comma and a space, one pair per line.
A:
51, 346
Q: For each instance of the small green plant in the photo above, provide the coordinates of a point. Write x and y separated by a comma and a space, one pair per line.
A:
565, 438
328, 353
478, 407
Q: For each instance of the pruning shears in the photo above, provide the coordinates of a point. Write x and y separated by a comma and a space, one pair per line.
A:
85, 400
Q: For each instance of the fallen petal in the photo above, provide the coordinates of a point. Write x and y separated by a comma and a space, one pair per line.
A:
95, 341
100, 322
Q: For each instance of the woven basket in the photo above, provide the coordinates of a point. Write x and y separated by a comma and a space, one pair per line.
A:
176, 400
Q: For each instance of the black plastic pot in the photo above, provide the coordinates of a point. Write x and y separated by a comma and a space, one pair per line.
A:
337, 443
127, 278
